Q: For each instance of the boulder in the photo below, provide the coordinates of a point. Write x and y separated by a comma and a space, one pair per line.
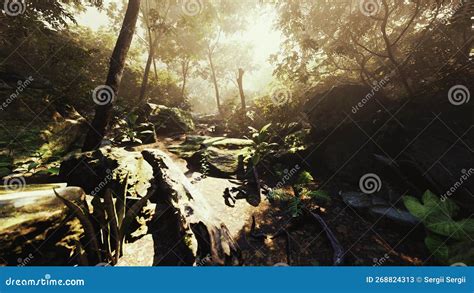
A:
220, 154
425, 142
108, 167
35, 227
167, 120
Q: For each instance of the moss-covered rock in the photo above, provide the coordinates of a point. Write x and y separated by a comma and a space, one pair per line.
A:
220, 154
169, 120
36, 228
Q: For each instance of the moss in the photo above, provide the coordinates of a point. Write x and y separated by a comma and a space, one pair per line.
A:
168, 120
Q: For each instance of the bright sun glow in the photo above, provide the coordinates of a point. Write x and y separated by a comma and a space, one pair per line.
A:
260, 33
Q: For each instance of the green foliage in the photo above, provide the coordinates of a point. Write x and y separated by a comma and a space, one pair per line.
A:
261, 145
113, 219
295, 207
319, 194
447, 237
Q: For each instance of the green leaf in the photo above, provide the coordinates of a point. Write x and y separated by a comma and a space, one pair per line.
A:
33, 165
295, 207
319, 194
53, 171
414, 206
304, 178
436, 245
434, 203
265, 128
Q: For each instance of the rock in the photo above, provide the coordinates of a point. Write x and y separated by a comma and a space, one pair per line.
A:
428, 152
377, 207
399, 216
167, 120
146, 133
221, 154
361, 200
108, 167
139, 253
356, 200
35, 228
185, 230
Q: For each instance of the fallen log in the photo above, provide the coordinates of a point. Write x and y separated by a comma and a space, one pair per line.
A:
184, 229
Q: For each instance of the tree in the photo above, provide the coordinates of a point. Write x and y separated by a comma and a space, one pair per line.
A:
241, 89
155, 17
117, 63
329, 42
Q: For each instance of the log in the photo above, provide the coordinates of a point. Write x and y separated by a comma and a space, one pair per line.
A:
185, 230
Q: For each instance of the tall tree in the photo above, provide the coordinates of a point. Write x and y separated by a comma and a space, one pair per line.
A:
240, 78
117, 64
155, 17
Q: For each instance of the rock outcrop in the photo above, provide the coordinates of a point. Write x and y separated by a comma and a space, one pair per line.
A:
35, 226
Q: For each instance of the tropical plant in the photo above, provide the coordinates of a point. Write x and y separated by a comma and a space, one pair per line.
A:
106, 227
449, 240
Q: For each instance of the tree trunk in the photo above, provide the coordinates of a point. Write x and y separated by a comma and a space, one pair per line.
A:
117, 64
241, 89
185, 69
214, 80
146, 74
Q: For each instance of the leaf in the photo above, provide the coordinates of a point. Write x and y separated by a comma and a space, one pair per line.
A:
319, 194
53, 171
415, 208
265, 128
434, 203
295, 207
436, 245
304, 178
32, 166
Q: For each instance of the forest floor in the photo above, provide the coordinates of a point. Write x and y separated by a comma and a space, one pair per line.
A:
302, 241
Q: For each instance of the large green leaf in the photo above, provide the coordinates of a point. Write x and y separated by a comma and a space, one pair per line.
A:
437, 246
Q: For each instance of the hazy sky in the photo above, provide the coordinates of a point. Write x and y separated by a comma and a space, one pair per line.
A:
261, 34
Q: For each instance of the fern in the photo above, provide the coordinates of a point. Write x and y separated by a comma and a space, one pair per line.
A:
295, 207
